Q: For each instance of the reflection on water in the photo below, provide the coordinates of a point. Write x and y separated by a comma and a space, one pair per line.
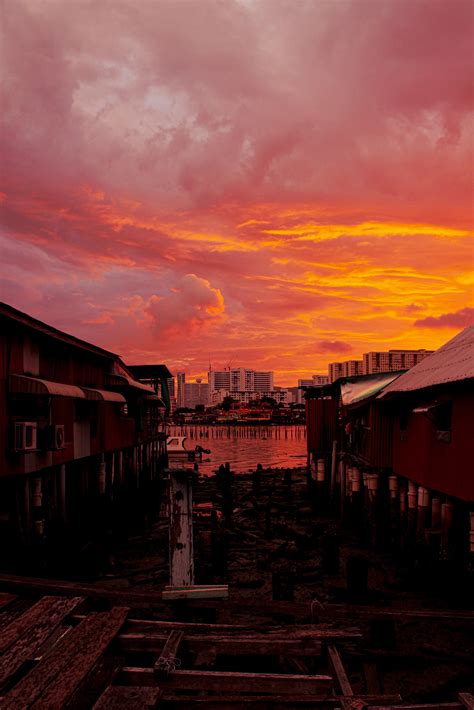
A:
246, 446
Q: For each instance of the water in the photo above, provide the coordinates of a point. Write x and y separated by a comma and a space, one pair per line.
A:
246, 446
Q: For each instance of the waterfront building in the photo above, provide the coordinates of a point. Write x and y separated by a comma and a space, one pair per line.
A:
74, 424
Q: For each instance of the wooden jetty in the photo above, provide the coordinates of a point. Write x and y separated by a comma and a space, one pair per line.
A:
69, 652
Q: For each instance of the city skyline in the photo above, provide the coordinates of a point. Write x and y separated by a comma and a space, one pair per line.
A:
282, 183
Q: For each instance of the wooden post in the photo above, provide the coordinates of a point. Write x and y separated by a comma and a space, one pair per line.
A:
436, 513
423, 506
394, 502
38, 516
373, 490
181, 528
27, 508
342, 477
411, 521
102, 475
118, 463
62, 492
446, 524
333, 469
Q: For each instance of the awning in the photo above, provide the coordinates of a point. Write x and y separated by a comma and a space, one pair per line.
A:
155, 399
124, 380
366, 387
21, 384
103, 395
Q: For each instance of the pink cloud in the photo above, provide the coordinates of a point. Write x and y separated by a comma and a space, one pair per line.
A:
333, 346
459, 319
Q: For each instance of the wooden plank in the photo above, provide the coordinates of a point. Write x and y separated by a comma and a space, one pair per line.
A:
35, 616
309, 631
342, 683
230, 645
101, 675
371, 675
192, 593
209, 702
29, 644
6, 599
118, 697
230, 682
467, 700
52, 682
424, 706
166, 661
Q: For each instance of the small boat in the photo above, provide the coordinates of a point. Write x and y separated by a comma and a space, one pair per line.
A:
176, 448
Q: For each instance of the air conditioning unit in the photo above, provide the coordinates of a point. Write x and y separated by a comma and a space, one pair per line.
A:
57, 436
26, 434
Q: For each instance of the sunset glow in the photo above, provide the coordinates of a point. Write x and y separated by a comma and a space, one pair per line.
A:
277, 184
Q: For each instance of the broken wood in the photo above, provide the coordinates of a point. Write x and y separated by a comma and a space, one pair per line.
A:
166, 661
342, 683
191, 592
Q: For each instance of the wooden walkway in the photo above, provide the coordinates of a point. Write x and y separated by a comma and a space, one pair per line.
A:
61, 652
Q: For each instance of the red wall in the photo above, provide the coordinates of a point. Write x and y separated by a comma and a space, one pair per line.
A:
321, 416
444, 467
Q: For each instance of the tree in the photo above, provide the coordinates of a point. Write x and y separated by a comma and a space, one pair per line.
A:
227, 403
199, 408
269, 400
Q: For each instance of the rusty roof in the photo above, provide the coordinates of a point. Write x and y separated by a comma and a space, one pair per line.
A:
452, 362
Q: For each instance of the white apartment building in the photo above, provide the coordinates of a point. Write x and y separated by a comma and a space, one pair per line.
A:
282, 396
240, 380
336, 370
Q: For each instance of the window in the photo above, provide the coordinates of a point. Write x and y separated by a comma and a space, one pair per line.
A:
442, 415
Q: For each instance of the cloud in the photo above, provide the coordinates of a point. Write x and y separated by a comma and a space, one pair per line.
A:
459, 319
188, 309
333, 346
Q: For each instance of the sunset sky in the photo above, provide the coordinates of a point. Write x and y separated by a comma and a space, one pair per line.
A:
269, 183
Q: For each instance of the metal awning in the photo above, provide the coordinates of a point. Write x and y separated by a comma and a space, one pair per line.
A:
21, 384
364, 388
154, 398
103, 395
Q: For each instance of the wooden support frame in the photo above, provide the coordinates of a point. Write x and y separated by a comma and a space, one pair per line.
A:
166, 662
342, 683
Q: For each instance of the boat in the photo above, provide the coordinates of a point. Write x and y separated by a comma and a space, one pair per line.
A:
176, 448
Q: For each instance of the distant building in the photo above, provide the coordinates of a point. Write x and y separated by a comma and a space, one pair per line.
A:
305, 383
240, 380
196, 393
282, 396
393, 360
181, 380
336, 370
319, 380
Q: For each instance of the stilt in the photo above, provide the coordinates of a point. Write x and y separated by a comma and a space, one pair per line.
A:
333, 469
446, 524
436, 513
102, 475
38, 516
411, 519
422, 517
27, 508
62, 492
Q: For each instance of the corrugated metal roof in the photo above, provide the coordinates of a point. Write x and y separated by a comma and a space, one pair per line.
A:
452, 362
359, 389
103, 395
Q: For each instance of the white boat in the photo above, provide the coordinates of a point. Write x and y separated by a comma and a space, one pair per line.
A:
176, 448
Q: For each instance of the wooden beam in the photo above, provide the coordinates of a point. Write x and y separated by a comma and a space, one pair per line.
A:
235, 702
6, 599
166, 662
231, 645
424, 706
118, 697
230, 682
217, 592
342, 683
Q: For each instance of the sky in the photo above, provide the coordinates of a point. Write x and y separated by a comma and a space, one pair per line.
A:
276, 184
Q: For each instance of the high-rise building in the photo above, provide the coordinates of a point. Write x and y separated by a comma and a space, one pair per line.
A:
353, 368
181, 381
392, 360
240, 380
336, 370
196, 393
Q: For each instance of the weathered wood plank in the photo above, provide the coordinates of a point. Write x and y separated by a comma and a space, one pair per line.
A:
119, 697
166, 661
424, 706
101, 675
28, 645
52, 682
342, 683
35, 617
230, 682
371, 675
192, 593
209, 702
235, 646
